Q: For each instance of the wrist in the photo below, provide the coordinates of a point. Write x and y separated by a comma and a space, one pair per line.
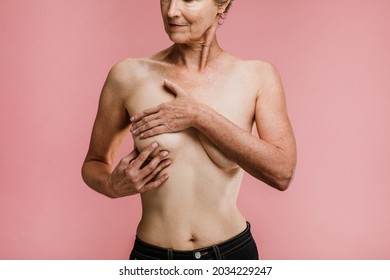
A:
200, 115
108, 187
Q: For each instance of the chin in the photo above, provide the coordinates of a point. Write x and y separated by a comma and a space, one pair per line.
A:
179, 38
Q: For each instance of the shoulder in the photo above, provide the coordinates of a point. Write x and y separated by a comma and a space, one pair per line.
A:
124, 76
133, 70
258, 68
125, 71
267, 76
261, 68
127, 75
261, 74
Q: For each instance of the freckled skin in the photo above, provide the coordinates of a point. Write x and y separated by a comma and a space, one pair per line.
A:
207, 101
203, 182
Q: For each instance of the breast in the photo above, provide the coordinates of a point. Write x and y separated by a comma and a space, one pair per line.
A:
186, 143
216, 155
174, 143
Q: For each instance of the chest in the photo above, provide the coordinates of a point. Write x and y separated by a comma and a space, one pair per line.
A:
232, 96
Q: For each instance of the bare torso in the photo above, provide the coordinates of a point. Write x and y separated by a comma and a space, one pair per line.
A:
210, 99
196, 206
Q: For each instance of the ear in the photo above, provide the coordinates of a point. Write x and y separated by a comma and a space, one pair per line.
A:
222, 7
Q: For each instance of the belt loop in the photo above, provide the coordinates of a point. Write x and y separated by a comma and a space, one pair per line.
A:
217, 252
170, 254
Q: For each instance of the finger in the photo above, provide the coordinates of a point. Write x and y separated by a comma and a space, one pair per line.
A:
143, 156
155, 172
130, 157
147, 112
155, 165
146, 126
154, 184
175, 89
161, 129
136, 124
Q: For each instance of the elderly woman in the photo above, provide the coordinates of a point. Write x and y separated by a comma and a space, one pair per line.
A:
190, 109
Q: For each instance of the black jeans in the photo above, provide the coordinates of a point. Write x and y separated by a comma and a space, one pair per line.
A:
240, 247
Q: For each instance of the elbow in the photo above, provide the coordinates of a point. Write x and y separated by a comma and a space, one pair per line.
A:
282, 185
95, 182
285, 176
84, 173
283, 181
278, 180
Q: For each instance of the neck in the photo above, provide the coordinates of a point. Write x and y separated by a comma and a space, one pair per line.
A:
198, 55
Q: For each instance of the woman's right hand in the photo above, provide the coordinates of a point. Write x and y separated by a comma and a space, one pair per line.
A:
135, 174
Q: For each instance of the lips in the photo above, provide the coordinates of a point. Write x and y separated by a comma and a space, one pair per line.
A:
173, 24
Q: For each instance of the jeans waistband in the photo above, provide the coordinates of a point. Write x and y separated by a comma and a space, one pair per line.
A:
215, 251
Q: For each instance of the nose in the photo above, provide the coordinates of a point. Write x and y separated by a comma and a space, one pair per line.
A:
174, 9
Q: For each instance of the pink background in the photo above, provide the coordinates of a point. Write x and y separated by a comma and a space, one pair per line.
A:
334, 60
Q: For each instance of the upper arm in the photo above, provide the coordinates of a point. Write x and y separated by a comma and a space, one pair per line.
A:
272, 122
112, 120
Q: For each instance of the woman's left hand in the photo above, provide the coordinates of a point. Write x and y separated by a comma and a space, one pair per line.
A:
168, 117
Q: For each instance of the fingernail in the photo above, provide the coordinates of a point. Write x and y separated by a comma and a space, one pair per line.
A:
154, 145
132, 119
164, 153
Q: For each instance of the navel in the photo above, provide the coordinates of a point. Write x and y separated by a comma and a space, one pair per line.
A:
192, 239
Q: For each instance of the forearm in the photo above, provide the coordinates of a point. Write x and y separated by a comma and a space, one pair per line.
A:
96, 174
262, 160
